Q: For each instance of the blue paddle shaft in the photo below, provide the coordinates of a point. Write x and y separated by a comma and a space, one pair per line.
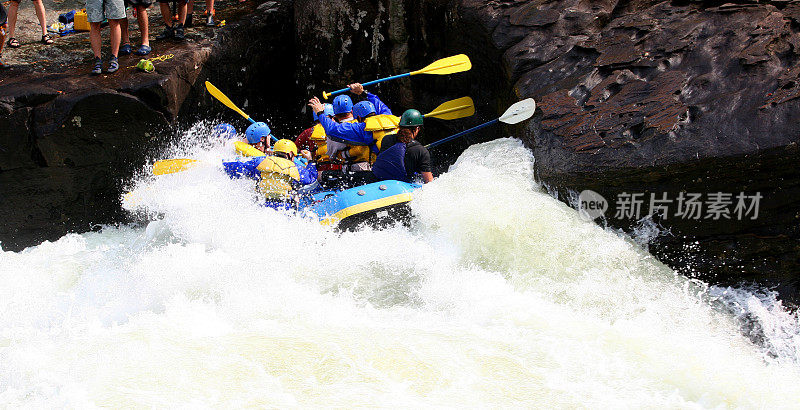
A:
394, 77
462, 133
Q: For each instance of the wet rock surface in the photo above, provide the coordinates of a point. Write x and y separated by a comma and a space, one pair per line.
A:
663, 98
68, 141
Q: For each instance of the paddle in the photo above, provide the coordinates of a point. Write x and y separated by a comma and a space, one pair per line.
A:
454, 109
518, 112
449, 65
171, 166
216, 93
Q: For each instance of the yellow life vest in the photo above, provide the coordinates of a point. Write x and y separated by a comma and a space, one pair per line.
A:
247, 150
318, 133
380, 126
319, 137
277, 175
356, 153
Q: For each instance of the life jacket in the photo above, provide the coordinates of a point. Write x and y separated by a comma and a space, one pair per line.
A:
381, 126
320, 154
277, 175
391, 163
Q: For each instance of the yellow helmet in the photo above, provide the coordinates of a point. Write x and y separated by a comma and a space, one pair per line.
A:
285, 146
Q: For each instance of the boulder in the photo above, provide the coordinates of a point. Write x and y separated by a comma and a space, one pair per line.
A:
69, 142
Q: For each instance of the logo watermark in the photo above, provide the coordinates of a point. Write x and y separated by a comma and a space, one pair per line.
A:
695, 206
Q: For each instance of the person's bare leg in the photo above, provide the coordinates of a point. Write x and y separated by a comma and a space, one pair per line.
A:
38, 5
94, 37
181, 12
190, 6
210, 7
123, 26
115, 33
144, 24
12, 18
166, 13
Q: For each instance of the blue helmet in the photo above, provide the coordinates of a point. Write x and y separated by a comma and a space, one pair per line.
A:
362, 109
342, 104
224, 130
327, 111
255, 132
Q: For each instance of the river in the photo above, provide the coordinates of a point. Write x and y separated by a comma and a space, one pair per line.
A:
497, 295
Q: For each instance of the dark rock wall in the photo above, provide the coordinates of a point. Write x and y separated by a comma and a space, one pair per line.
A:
68, 142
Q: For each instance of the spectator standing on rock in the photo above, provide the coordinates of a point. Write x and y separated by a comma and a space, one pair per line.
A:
209, 13
13, 8
96, 12
3, 18
140, 6
172, 31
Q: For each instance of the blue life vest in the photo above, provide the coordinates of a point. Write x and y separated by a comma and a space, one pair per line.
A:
391, 164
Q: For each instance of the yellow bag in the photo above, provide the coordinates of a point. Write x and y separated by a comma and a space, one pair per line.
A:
81, 21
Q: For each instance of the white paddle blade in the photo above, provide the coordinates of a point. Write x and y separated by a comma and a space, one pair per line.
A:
519, 112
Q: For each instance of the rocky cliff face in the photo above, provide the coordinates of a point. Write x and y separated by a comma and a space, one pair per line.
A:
658, 98
68, 141
665, 98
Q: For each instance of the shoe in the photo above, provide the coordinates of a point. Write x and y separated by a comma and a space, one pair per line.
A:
188, 23
143, 50
210, 21
168, 33
179, 35
113, 65
98, 66
13, 42
125, 49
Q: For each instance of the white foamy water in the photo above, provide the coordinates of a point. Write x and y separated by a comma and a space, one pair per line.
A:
497, 296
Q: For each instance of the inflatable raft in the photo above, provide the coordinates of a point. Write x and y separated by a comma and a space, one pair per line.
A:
376, 204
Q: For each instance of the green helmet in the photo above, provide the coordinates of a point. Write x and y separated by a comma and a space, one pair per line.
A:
411, 118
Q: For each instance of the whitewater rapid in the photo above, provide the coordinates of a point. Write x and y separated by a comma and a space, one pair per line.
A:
496, 296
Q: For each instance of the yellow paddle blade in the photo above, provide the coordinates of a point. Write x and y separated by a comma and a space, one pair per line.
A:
451, 110
449, 65
171, 166
214, 91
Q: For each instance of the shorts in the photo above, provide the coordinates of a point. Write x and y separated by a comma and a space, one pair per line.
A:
99, 10
138, 3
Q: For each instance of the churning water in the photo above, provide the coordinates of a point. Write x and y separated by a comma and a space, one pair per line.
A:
497, 296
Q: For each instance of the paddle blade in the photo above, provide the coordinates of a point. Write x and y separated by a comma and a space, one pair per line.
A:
216, 93
171, 166
451, 110
449, 65
519, 112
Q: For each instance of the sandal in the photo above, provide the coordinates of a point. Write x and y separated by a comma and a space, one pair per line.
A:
125, 49
143, 50
13, 42
47, 39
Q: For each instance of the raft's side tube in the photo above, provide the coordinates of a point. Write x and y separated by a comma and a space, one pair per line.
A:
246, 149
335, 206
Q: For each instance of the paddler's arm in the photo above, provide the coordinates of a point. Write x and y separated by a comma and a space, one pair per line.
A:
425, 168
238, 169
380, 107
308, 170
353, 133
